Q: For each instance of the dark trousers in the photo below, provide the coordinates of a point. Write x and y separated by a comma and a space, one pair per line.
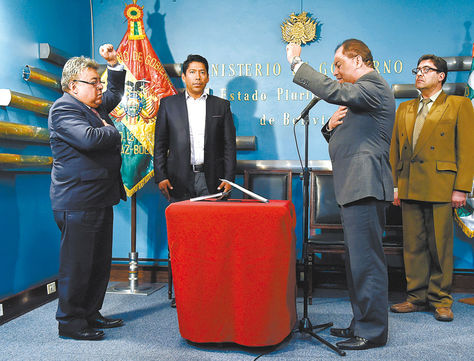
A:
84, 265
199, 188
366, 269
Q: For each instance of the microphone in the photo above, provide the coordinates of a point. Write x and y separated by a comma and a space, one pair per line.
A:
306, 110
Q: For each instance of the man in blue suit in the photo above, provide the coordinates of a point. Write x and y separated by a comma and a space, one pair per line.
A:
85, 184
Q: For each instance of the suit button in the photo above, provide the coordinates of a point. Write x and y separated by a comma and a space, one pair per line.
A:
442, 134
432, 148
405, 147
421, 161
402, 134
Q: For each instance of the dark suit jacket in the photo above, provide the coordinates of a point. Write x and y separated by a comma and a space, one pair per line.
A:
86, 154
442, 160
359, 148
172, 155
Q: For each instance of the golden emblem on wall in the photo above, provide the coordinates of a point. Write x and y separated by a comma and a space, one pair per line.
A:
299, 29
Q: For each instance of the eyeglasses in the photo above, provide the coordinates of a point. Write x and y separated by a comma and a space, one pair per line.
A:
95, 83
424, 70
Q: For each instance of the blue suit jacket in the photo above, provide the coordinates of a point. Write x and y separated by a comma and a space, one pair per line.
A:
86, 154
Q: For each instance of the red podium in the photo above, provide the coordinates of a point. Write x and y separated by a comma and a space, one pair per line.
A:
233, 270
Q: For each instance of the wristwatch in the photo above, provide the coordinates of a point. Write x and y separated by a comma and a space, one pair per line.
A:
294, 61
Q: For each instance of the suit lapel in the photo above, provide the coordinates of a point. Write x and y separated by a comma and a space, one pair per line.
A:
208, 118
410, 117
91, 117
183, 114
432, 119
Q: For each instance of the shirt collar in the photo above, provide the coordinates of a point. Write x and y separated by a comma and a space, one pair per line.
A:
433, 97
187, 96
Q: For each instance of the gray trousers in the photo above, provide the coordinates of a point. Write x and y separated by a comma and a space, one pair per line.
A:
366, 268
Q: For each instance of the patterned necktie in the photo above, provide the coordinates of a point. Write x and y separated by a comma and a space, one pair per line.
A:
420, 120
98, 115
95, 112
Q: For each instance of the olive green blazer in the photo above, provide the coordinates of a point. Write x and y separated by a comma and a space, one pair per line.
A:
443, 158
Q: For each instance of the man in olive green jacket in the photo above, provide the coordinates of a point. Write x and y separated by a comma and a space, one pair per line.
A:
433, 168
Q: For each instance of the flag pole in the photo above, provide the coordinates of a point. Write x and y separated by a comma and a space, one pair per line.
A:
133, 287
146, 83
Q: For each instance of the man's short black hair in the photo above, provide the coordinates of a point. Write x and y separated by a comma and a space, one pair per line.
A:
438, 62
197, 58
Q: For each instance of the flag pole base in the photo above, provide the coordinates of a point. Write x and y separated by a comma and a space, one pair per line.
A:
125, 288
132, 287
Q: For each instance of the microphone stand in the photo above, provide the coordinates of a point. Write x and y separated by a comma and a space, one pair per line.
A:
305, 325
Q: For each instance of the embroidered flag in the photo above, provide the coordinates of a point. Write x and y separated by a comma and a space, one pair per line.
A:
146, 83
464, 217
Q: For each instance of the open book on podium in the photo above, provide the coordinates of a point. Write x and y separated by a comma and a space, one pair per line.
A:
221, 194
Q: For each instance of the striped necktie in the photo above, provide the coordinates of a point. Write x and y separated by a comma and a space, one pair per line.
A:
96, 113
98, 116
420, 120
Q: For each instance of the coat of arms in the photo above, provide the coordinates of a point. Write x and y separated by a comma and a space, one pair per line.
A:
299, 29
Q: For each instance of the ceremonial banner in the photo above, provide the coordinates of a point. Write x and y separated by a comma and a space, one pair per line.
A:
465, 215
145, 84
465, 218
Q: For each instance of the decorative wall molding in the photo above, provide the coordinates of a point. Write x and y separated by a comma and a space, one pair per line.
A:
52, 54
409, 90
18, 161
42, 77
458, 63
23, 101
22, 132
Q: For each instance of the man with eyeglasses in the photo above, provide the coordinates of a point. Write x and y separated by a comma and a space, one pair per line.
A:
432, 164
85, 184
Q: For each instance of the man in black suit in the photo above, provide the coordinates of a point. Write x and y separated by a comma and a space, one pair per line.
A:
194, 138
359, 142
85, 184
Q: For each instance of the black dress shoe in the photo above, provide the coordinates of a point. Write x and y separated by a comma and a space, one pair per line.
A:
173, 303
342, 332
103, 322
357, 343
84, 334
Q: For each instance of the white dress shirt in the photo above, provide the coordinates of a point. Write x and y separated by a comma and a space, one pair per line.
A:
197, 125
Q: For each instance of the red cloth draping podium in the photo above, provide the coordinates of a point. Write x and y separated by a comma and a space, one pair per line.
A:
233, 270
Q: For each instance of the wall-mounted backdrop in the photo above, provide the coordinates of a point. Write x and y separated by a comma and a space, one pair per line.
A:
242, 41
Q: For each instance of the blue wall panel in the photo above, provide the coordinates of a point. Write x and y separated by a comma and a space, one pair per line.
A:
248, 32
29, 238
240, 35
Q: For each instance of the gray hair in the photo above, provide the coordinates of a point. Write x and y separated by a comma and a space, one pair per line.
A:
74, 67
